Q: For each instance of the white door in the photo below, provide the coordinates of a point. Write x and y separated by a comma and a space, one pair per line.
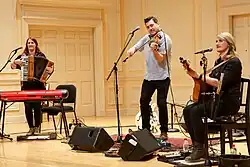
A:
241, 32
71, 49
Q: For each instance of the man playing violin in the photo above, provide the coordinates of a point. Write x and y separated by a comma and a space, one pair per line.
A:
157, 54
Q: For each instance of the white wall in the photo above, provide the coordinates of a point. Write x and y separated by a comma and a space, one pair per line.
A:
192, 25
8, 29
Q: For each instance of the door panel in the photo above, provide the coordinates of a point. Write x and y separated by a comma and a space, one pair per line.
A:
71, 49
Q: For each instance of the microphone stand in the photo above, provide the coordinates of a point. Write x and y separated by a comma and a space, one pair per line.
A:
2, 135
172, 105
115, 69
207, 159
9, 59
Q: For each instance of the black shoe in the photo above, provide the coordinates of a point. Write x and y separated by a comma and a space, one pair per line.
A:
164, 136
197, 153
30, 132
36, 130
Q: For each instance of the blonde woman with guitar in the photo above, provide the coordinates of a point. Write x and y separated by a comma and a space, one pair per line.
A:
223, 79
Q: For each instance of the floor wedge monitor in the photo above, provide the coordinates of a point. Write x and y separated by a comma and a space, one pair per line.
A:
138, 145
92, 139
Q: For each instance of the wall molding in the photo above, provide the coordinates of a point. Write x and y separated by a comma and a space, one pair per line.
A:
44, 13
227, 12
86, 4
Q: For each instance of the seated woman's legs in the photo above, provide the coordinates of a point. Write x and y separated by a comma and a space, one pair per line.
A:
193, 118
187, 119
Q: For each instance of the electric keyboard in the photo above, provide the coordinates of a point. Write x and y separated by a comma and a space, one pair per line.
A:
29, 95
33, 95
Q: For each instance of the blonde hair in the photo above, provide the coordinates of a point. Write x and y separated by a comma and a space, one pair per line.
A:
226, 36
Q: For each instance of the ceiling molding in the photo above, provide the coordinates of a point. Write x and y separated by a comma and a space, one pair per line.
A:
87, 4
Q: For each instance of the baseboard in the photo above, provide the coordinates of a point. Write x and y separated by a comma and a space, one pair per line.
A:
15, 119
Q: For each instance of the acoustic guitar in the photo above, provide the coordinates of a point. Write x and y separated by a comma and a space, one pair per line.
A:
199, 85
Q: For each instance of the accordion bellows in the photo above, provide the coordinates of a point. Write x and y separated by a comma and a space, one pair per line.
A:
34, 68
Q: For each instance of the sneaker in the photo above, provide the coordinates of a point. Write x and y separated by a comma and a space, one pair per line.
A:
164, 136
30, 132
36, 130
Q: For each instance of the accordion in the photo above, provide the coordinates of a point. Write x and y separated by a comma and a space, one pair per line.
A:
34, 68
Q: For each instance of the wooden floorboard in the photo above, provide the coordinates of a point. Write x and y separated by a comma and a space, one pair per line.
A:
56, 153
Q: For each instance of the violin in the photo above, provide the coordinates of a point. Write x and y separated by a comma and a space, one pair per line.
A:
155, 41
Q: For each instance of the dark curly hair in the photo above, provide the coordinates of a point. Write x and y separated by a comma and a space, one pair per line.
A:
147, 19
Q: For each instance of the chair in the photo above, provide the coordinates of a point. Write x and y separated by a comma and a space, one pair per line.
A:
60, 107
241, 120
45, 103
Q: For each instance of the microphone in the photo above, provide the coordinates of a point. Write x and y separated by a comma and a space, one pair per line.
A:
136, 28
15, 50
125, 59
204, 51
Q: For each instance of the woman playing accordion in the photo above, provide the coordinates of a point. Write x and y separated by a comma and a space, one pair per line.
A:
32, 83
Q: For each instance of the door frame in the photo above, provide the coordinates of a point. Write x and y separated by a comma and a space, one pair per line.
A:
34, 15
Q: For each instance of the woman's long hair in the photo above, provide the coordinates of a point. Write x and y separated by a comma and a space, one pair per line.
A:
226, 36
26, 50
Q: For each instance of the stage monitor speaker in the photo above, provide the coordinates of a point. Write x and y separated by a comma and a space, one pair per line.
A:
138, 145
90, 139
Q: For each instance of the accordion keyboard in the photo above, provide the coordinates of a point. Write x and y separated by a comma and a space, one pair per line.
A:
24, 69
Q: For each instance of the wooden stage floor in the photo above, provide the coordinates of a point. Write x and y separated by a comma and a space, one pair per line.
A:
55, 153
